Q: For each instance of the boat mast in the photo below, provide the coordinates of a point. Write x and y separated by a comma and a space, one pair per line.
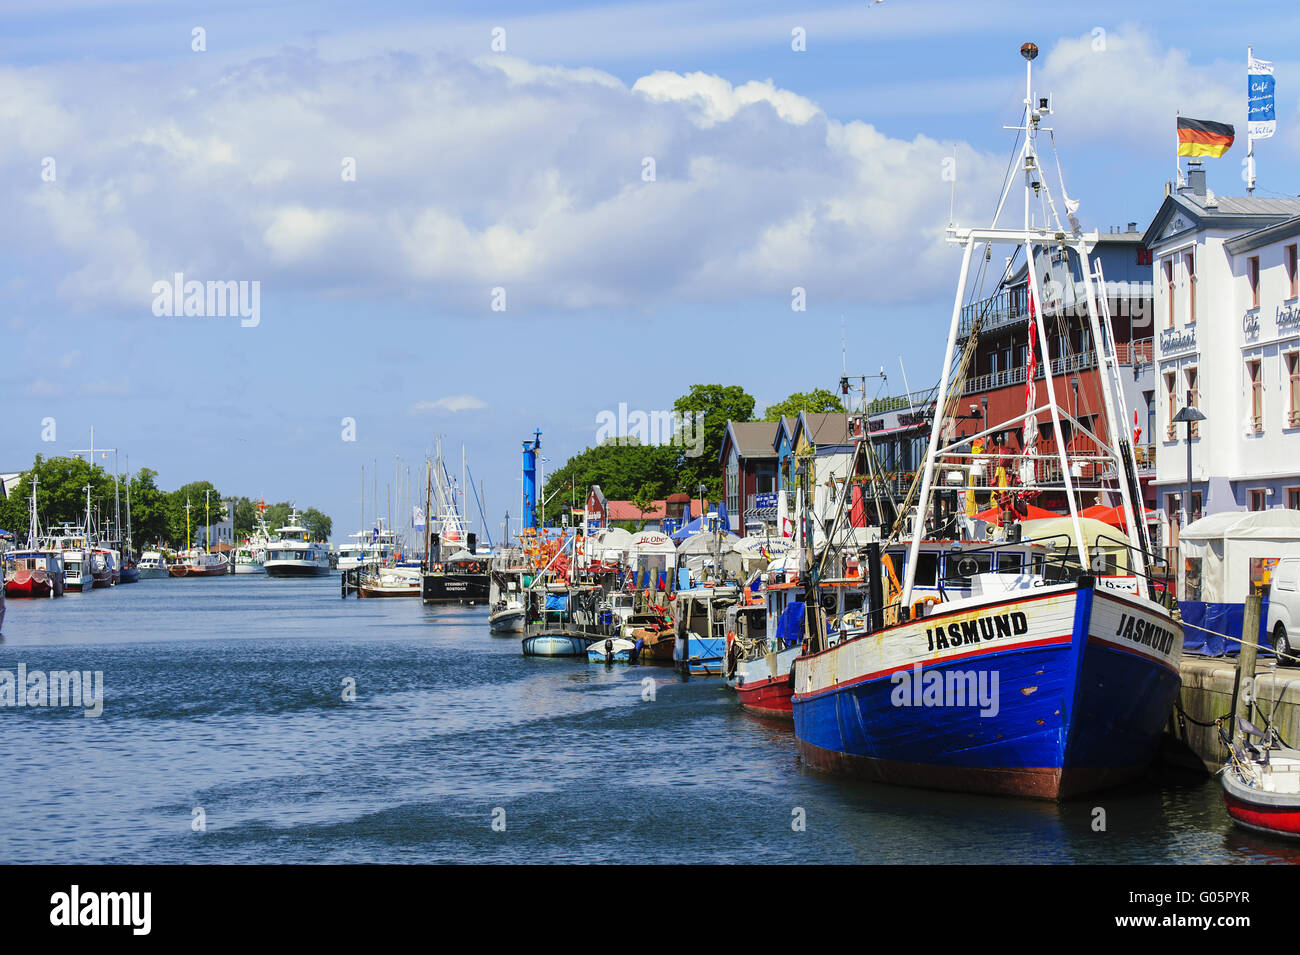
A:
188, 543
129, 535
1033, 183
32, 526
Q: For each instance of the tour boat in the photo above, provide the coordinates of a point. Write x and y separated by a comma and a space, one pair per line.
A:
198, 563
292, 552
377, 546
33, 573
1044, 680
152, 565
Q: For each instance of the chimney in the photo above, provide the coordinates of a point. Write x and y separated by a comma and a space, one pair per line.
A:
1196, 178
1132, 227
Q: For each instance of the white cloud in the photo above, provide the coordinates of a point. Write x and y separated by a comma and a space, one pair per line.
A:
451, 405
469, 175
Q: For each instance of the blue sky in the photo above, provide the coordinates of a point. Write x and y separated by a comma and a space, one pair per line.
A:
522, 169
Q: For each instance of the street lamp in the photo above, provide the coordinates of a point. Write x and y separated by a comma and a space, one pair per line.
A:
1189, 415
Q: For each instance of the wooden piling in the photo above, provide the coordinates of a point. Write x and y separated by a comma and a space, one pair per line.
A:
1246, 663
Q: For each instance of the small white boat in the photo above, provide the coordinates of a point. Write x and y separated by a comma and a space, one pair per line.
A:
390, 582
1261, 783
152, 565
611, 650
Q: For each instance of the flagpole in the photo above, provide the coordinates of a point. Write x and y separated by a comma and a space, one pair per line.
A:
1250, 140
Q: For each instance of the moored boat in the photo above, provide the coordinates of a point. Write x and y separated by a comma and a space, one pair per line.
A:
33, 573
152, 565
390, 582
1027, 666
701, 636
292, 553
611, 650
199, 563
1261, 782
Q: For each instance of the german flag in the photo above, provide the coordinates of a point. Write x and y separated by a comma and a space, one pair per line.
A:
1200, 137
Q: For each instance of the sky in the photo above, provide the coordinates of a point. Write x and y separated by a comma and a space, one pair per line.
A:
469, 221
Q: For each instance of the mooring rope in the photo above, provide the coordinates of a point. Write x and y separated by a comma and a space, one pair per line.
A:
1228, 636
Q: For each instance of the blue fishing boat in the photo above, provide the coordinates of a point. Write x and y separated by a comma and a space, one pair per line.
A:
1035, 666
701, 615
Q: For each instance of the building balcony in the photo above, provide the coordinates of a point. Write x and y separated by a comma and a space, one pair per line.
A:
1139, 352
978, 384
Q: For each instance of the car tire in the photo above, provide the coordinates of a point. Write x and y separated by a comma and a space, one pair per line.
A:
1281, 644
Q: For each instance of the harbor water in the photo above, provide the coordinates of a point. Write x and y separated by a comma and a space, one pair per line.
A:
227, 736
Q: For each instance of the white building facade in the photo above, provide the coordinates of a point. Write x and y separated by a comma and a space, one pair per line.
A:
1227, 335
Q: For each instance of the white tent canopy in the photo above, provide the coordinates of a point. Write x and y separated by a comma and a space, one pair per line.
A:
706, 543
652, 542
610, 543
1230, 550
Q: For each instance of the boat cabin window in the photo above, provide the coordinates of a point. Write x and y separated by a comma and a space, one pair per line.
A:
1011, 563
959, 566
927, 569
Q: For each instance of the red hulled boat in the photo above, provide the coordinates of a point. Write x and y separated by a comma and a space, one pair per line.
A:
1261, 784
33, 573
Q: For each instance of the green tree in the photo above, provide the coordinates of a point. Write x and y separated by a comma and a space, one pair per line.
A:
819, 400
622, 470
318, 525
245, 517
719, 404
192, 494
148, 508
277, 515
60, 495
644, 500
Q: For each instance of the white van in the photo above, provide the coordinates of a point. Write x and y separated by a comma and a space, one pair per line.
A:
1284, 609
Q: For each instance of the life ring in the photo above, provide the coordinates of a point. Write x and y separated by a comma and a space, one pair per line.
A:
436, 569
475, 567
918, 604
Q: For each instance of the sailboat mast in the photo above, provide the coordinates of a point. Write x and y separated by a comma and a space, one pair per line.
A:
32, 528
129, 535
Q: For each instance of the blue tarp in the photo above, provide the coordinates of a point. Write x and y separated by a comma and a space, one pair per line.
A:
557, 602
1221, 618
789, 626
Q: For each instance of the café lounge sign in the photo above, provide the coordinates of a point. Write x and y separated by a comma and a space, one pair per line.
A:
1177, 340
1288, 319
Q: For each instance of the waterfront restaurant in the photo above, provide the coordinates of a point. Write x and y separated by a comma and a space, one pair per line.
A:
1227, 334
